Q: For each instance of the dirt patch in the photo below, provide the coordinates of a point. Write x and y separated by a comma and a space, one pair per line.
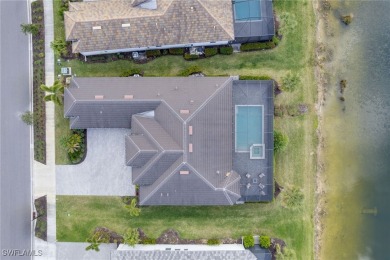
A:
41, 218
114, 237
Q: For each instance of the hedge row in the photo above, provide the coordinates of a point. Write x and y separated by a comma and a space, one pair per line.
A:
178, 51
153, 53
226, 50
190, 70
208, 52
253, 46
250, 77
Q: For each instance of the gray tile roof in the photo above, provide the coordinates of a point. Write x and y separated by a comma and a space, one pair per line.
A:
173, 22
182, 255
189, 154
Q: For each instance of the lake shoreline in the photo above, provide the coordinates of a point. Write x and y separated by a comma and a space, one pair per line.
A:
320, 180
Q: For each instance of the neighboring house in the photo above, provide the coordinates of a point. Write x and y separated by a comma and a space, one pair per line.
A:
194, 141
113, 26
186, 252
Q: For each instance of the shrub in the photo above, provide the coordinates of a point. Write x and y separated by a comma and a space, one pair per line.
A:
27, 118
250, 77
176, 51
254, 46
132, 208
149, 241
275, 40
249, 241
131, 237
265, 241
226, 50
208, 52
96, 239
188, 56
190, 70
131, 72
153, 53
343, 85
280, 141
213, 242
346, 19
59, 47
290, 82
30, 28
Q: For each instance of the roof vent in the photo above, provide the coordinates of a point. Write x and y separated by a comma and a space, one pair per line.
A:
184, 111
190, 148
190, 130
124, 25
176, 88
192, 8
191, 101
158, 94
96, 27
128, 96
99, 97
216, 85
184, 172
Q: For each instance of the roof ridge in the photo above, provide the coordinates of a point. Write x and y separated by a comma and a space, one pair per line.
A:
215, 19
163, 181
135, 117
149, 165
227, 197
73, 103
224, 84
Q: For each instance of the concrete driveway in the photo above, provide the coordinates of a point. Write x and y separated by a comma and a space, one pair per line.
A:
103, 171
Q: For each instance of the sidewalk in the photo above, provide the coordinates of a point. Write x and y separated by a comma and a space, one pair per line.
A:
44, 175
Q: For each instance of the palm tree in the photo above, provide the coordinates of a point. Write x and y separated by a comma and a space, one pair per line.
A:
56, 92
132, 208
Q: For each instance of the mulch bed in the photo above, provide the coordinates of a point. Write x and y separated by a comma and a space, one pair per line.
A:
274, 242
41, 218
172, 237
39, 79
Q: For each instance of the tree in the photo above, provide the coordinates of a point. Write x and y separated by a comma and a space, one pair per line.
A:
131, 237
96, 239
132, 208
28, 117
265, 241
31, 28
249, 241
56, 92
71, 143
59, 47
280, 141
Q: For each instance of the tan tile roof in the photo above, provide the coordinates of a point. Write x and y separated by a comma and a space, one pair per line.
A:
173, 22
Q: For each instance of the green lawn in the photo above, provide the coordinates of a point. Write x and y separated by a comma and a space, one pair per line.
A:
294, 167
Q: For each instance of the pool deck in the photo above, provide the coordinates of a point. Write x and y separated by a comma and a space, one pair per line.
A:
255, 93
256, 30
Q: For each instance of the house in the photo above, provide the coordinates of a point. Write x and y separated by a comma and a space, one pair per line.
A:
194, 141
114, 26
187, 252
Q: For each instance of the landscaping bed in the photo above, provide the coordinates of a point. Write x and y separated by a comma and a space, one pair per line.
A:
39, 106
41, 218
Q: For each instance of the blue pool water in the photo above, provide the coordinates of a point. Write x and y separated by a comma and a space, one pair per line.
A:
249, 127
247, 10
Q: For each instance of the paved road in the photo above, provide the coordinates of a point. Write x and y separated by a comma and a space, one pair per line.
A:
15, 181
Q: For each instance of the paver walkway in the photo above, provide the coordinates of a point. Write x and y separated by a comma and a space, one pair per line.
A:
44, 175
103, 172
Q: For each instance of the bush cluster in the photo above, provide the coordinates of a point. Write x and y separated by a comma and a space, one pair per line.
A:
226, 50
176, 51
153, 53
249, 241
265, 241
208, 52
149, 241
75, 145
213, 242
188, 56
190, 70
254, 46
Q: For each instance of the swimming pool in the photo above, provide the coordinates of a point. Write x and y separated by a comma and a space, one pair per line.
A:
245, 10
249, 129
